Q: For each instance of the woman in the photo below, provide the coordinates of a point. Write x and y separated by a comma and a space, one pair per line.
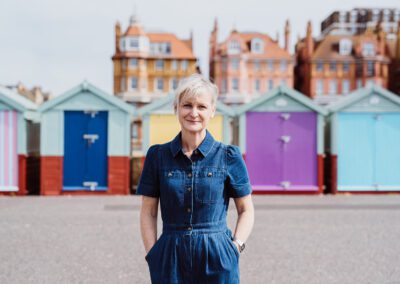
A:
194, 176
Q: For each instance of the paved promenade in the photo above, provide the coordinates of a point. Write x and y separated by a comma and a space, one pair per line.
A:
296, 239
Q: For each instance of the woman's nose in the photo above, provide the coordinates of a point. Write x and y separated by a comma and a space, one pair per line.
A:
194, 112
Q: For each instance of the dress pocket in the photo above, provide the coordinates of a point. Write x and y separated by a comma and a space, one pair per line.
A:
172, 186
232, 245
152, 249
210, 186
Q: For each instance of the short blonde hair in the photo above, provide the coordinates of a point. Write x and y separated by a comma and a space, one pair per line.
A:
195, 85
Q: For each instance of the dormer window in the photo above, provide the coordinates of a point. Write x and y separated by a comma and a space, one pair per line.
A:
345, 46
257, 45
160, 48
234, 47
368, 49
136, 43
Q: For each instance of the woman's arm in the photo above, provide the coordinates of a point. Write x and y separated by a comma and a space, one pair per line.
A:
148, 221
245, 221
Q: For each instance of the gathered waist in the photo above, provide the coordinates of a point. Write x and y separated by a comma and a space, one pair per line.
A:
198, 228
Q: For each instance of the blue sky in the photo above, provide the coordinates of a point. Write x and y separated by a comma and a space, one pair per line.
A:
56, 43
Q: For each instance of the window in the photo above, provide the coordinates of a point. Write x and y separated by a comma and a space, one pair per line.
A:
368, 49
283, 65
235, 84
235, 64
320, 66
375, 15
270, 64
234, 47
345, 87
257, 65
159, 84
257, 45
386, 15
370, 68
342, 16
184, 65
224, 86
133, 63
332, 87
134, 83
224, 64
122, 84
159, 65
174, 84
135, 130
332, 66
270, 84
346, 67
319, 87
160, 47
174, 65
283, 82
345, 46
134, 43
257, 85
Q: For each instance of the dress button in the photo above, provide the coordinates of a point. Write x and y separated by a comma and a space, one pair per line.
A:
209, 174
189, 228
190, 175
189, 189
196, 152
189, 210
170, 174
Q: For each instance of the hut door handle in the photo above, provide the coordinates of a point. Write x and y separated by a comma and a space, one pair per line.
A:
285, 138
285, 116
285, 184
91, 138
91, 184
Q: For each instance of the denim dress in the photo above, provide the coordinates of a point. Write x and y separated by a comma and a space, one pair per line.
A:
195, 245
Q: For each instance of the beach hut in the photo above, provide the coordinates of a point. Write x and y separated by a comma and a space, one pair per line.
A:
17, 118
85, 143
281, 136
364, 130
160, 124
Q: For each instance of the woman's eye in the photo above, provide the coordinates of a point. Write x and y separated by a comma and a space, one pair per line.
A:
202, 107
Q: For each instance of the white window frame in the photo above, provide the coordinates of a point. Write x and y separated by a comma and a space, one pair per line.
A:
131, 80
174, 64
270, 65
257, 46
157, 66
345, 46
171, 84
235, 84
257, 85
319, 86
345, 86
234, 47
283, 65
235, 63
184, 65
270, 84
333, 87
158, 79
133, 66
368, 49
257, 65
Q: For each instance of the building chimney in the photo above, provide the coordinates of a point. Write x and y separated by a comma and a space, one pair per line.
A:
117, 37
287, 35
309, 40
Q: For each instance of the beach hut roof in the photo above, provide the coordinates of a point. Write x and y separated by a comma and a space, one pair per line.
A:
87, 87
295, 95
360, 94
168, 100
15, 100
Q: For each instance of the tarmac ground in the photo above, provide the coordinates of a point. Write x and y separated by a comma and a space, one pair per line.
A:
296, 239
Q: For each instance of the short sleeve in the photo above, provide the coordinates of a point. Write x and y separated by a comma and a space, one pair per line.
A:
149, 180
238, 183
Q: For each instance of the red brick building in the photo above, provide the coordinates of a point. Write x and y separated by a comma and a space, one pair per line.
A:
247, 64
339, 62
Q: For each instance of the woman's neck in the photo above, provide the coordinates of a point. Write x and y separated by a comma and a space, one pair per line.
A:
192, 140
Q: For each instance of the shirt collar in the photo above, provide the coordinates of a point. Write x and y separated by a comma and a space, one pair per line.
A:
204, 148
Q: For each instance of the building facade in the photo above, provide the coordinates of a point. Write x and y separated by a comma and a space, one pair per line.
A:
149, 65
247, 64
336, 64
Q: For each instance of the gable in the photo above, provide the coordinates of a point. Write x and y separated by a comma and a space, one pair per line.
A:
279, 103
84, 100
373, 102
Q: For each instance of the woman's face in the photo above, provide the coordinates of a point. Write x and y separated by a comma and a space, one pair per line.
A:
194, 112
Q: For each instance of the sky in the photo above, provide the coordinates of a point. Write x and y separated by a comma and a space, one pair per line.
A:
56, 44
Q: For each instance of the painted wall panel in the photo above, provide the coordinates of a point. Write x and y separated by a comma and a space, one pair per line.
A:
85, 101
22, 133
388, 151
164, 128
52, 133
8, 151
356, 150
300, 153
119, 133
264, 149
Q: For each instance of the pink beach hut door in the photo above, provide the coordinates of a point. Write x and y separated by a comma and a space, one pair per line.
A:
8, 151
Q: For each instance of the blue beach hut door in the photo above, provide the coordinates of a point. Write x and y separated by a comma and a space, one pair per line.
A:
85, 150
368, 155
